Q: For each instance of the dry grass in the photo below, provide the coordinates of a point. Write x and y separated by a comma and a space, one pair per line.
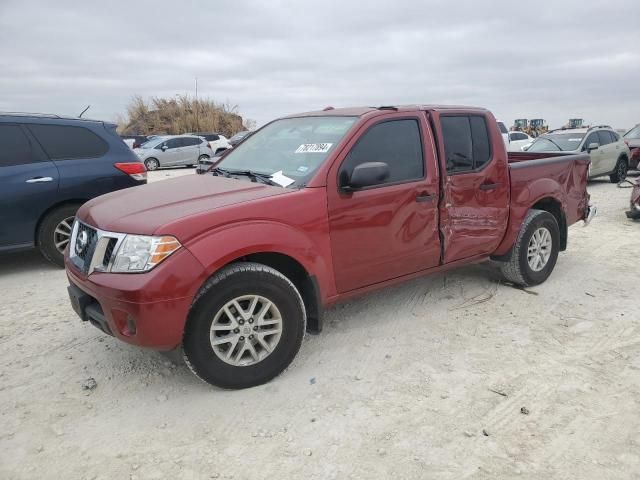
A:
178, 115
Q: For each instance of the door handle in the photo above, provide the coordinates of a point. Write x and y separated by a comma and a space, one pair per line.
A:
489, 186
424, 197
39, 180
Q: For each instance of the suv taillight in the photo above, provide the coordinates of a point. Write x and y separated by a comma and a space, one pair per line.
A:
135, 170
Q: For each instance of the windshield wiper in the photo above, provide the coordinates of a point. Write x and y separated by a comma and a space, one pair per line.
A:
254, 176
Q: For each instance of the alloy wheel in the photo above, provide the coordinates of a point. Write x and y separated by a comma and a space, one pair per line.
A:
246, 330
539, 249
62, 234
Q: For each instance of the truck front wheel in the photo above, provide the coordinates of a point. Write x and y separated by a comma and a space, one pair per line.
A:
245, 327
535, 252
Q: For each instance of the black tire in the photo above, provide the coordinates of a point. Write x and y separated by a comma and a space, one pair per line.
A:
47, 237
151, 164
203, 157
517, 270
620, 173
236, 280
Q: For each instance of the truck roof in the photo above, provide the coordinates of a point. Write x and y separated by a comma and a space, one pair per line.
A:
361, 111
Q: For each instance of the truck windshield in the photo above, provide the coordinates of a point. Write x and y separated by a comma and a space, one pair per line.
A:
294, 146
557, 142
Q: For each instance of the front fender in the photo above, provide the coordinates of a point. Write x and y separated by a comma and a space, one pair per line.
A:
222, 245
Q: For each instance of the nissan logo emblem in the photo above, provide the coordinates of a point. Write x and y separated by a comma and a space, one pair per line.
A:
82, 241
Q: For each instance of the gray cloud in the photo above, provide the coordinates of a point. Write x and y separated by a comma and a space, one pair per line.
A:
561, 60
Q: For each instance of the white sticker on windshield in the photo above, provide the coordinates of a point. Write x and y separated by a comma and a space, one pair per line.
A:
281, 179
574, 139
314, 148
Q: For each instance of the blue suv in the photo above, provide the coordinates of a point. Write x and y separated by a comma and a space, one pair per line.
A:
49, 166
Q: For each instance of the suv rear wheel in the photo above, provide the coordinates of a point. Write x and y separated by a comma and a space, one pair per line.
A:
245, 327
535, 252
620, 173
54, 233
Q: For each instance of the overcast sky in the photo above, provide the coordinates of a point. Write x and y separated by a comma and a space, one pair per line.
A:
563, 59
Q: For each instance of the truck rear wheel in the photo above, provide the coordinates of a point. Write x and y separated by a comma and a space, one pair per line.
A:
245, 326
535, 252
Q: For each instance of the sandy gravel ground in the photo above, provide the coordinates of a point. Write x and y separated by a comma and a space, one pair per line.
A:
399, 385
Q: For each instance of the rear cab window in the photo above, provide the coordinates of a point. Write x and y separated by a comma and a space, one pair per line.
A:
63, 142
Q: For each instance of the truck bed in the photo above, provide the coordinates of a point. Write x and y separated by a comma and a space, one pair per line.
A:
562, 178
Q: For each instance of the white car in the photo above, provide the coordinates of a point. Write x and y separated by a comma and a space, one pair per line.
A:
174, 150
517, 140
609, 154
217, 142
504, 132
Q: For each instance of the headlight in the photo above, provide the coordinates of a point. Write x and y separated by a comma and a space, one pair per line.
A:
140, 253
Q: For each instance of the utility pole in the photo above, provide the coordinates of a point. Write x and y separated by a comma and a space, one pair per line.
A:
197, 109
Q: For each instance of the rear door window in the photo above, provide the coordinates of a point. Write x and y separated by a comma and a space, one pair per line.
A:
15, 148
191, 141
63, 142
466, 142
480, 142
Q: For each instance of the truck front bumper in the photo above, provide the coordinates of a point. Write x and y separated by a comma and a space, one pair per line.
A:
145, 309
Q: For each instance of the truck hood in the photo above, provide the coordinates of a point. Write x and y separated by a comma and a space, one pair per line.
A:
145, 209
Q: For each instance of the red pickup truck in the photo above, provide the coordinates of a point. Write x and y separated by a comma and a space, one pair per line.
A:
236, 265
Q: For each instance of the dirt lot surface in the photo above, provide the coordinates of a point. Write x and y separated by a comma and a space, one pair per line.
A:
427, 380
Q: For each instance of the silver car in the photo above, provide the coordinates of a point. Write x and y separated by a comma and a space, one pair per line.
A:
170, 151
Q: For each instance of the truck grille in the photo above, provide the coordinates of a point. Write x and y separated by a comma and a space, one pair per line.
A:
92, 249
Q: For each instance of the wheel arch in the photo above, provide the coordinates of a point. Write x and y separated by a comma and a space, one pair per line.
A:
306, 283
55, 206
554, 207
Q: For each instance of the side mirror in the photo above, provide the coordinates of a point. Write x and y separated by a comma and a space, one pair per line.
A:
526, 147
163, 148
365, 175
593, 146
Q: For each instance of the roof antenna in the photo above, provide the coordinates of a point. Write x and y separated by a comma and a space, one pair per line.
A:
88, 107
326, 109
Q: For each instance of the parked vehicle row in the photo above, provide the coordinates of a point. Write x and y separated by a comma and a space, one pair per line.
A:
49, 166
310, 210
174, 150
610, 155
